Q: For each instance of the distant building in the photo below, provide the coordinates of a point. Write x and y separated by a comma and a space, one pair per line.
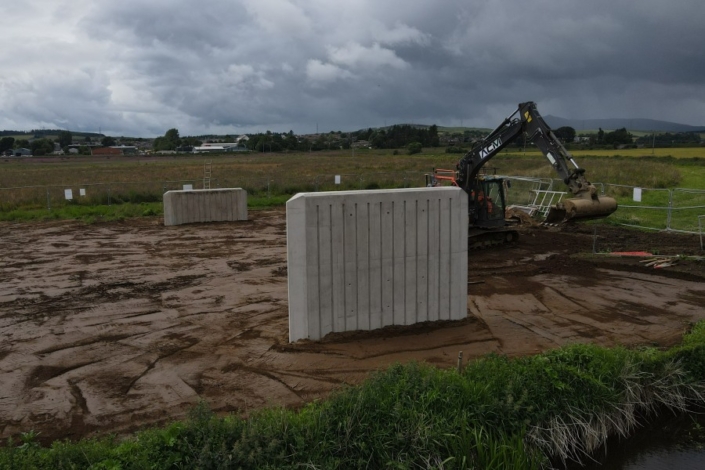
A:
126, 149
22, 152
115, 150
105, 151
210, 147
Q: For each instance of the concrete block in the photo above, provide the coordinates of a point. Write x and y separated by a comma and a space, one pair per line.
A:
205, 205
361, 260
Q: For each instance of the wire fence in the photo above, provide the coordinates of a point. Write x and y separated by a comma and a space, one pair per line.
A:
678, 209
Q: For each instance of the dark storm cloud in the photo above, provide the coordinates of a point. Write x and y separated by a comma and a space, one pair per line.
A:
239, 65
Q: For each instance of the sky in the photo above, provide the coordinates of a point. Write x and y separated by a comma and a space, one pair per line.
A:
138, 68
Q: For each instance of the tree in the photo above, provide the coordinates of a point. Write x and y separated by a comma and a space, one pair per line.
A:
600, 136
21, 143
41, 147
618, 137
65, 139
191, 142
169, 141
414, 147
566, 134
107, 141
172, 135
433, 139
6, 143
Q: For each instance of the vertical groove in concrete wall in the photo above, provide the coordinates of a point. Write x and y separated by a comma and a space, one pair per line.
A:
205, 205
368, 259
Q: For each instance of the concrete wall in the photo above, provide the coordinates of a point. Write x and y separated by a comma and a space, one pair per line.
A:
361, 260
205, 205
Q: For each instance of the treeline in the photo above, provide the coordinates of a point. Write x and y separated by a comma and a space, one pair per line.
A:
667, 139
399, 136
275, 142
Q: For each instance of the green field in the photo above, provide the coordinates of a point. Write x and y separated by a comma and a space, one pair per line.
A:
308, 166
676, 152
270, 178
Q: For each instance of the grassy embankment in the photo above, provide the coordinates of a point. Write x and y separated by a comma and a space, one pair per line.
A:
497, 413
133, 186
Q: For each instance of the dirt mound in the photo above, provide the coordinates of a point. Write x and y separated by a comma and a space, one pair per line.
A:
514, 213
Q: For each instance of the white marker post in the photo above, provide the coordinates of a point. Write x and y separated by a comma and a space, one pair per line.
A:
637, 195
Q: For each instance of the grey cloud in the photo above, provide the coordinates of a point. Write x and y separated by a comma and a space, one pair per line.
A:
287, 64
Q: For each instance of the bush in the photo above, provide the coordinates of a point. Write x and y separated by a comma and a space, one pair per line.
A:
414, 147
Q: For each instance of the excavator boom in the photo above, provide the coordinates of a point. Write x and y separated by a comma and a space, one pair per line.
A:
584, 203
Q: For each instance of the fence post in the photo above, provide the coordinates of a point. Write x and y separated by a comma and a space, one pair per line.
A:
48, 201
268, 188
109, 200
670, 208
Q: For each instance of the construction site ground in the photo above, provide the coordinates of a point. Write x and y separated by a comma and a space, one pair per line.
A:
114, 327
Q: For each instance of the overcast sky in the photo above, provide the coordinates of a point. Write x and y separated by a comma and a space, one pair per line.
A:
138, 68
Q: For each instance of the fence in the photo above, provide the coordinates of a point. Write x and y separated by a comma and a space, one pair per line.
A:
676, 210
55, 196
48, 197
679, 209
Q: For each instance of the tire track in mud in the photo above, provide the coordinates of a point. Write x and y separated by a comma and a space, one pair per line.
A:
42, 374
152, 364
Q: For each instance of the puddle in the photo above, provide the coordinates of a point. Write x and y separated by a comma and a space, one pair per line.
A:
538, 257
671, 443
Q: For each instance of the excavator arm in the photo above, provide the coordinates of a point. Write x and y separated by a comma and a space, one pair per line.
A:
584, 201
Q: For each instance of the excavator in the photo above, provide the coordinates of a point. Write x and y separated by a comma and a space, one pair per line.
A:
487, 195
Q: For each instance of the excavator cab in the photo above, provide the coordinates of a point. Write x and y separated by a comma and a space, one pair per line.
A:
487, 203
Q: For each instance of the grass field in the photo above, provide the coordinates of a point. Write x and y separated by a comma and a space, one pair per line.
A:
687, 152
307, 166
270, 178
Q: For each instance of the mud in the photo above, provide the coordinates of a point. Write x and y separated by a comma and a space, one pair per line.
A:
109, 328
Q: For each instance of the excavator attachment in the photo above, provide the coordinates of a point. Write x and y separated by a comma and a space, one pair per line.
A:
584, 207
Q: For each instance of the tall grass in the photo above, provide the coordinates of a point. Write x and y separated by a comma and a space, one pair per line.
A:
497, 413
85, 213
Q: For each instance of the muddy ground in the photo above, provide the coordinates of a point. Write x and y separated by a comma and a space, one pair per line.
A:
108, 328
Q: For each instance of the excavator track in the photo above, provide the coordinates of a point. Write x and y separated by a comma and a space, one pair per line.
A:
479, 239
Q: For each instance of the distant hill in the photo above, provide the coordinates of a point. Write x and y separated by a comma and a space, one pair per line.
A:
50, 133
646, 125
